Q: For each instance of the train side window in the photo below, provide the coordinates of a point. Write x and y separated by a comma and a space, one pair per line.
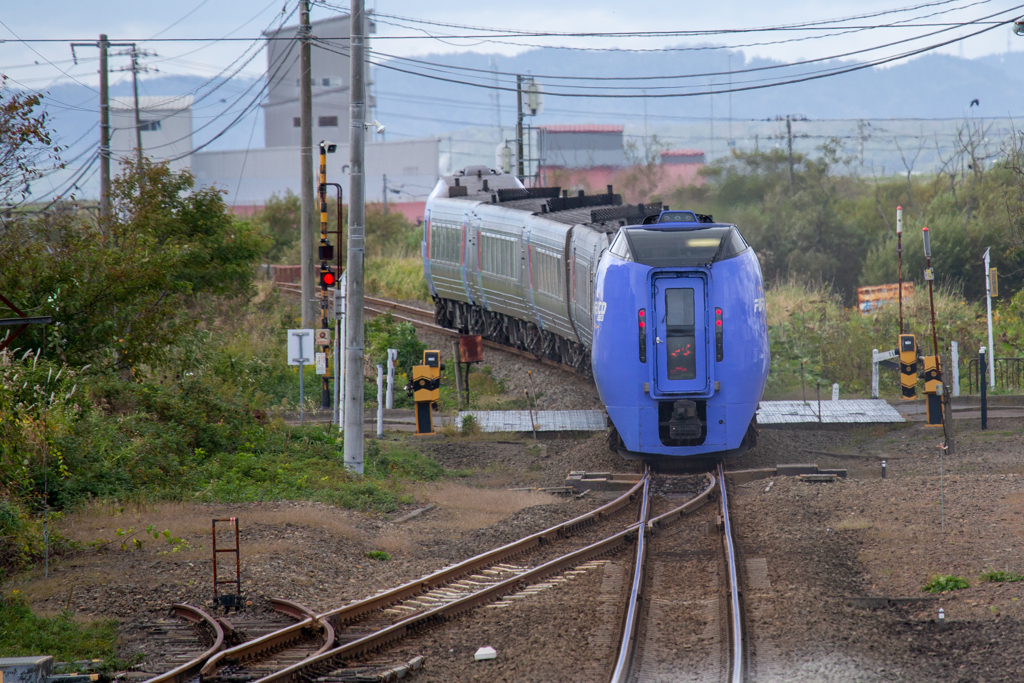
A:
620, 247
734, 244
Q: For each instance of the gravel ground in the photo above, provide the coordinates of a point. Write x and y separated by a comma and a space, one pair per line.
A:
820, 544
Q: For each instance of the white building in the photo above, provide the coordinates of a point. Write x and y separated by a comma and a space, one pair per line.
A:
330, 76
166, 124
250, 177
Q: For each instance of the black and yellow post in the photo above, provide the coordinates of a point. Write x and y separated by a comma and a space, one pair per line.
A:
908, 367
426, 390
933, 389
327, 277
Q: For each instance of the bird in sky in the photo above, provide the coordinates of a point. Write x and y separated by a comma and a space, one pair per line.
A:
975, 102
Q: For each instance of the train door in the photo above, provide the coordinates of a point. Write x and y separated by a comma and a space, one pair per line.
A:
472, 260
582, 289
680, 329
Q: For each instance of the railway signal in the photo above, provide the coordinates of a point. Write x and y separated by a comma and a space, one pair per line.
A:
425, 388
327, 278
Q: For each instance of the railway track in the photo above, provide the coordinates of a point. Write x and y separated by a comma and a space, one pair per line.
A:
424, 319
317, 643
675, 629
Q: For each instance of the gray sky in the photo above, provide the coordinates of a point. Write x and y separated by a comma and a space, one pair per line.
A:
140, 20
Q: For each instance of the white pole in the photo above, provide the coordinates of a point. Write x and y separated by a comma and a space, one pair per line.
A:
380, 403
835, 392
954, 354
988, 301
392, 357
874, 373
339, 380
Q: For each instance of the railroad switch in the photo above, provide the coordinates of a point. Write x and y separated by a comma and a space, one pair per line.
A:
425, 388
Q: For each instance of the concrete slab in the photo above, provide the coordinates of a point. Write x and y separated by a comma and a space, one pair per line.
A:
26, 669
601, 481
852, 411
542, 420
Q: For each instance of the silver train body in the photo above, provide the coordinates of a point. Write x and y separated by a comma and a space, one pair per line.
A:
517, 265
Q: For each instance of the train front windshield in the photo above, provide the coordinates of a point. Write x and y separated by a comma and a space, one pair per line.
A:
665, 248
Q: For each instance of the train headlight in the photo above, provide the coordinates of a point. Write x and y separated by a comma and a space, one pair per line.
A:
719, 344
641, 325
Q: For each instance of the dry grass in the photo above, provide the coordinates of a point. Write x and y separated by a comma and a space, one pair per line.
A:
853, 523
469, 507
394, 541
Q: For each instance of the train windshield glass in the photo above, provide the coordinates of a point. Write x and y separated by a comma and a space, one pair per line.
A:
666, 248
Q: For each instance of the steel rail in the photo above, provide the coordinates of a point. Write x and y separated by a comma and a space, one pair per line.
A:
339, 617
300, 612
633, 608
190, 670
734, 593
626, 647
377, 306
322, 663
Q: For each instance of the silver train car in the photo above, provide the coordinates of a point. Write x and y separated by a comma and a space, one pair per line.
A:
516, 265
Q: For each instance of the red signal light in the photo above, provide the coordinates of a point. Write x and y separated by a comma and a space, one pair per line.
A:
327, 278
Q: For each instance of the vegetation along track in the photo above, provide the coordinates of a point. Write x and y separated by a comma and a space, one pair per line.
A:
422, 318
677, 626
317, 642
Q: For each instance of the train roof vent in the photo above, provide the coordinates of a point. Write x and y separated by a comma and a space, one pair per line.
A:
513, 193
630, 212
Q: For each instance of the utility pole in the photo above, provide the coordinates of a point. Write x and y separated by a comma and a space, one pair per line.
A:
711, 120
354, 271
520, 172
306, 159
789, 137
103, 45
385, 194
135, 53
496, 94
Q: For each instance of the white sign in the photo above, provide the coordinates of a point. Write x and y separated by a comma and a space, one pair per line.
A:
300, 345
321, 363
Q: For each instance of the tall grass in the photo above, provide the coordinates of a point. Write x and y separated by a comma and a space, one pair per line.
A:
397, 278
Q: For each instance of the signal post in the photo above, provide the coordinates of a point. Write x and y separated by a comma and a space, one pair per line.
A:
328, 279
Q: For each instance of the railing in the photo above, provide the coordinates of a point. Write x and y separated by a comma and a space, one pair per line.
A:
1009, 374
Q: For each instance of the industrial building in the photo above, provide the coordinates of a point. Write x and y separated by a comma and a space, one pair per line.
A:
166, 125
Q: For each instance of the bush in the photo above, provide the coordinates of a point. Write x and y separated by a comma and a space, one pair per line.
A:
1000, 576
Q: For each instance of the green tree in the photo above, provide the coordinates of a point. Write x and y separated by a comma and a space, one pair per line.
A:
118, 290
25, 145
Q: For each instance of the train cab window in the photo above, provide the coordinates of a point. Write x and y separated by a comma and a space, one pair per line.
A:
680, 335
662, 247
620, 247
733, 245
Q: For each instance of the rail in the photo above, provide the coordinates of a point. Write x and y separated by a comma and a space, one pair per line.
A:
190, 670
734, 590
423, 319
1009, 373
337, 618
622, 672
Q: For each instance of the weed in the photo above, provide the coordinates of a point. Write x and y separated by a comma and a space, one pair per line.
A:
940, 583
378, 555
23, 633
999, 576
469, 426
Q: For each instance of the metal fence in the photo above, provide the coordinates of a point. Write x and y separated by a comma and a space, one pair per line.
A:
1009, 374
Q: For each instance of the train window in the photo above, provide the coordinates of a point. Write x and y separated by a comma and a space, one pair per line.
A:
445, 242
664, 248
620, 247
546, 268
680, 335
733, 245
499, 255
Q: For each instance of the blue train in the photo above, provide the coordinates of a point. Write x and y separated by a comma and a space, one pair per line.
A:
664, 308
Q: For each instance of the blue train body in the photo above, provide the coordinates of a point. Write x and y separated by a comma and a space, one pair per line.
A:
680, 351
664, 308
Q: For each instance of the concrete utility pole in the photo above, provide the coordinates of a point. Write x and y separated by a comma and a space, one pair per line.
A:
306, 225
789, 138
104, 131
103, 45
354, 272
385, 194
520, 172
135, 53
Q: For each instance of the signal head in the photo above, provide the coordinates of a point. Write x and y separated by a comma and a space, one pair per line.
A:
1018, 26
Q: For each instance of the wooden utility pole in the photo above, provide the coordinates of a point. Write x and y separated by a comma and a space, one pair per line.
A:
354, 271
306, 223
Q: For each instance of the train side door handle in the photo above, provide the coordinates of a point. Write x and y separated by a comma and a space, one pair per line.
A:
657, 340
